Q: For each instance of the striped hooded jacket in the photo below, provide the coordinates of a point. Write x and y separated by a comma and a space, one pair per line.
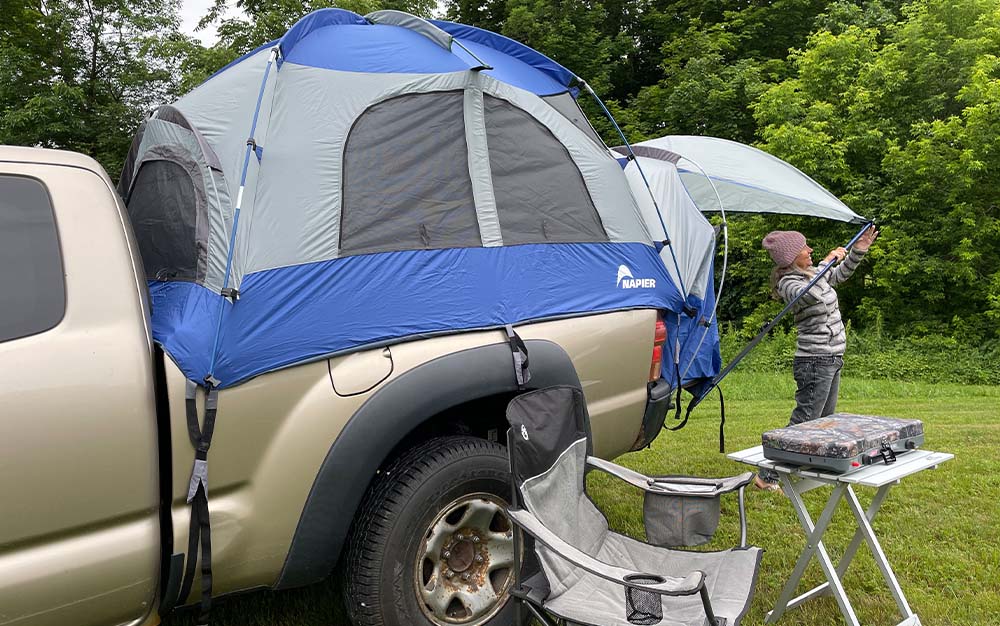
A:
817, 313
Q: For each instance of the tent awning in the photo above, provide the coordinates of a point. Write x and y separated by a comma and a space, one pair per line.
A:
748, 180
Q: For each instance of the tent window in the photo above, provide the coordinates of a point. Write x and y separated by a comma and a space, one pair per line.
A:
163, 209
406, 177
32, 292
540, 193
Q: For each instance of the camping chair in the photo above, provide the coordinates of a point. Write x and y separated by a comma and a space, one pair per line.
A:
590, 575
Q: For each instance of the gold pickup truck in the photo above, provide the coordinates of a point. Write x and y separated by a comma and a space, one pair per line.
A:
389, 460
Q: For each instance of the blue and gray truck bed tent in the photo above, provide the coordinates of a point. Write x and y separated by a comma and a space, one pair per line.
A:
365, 180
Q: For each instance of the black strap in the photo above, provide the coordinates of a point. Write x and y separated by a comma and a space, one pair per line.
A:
685, 421
722, 422
519, 351
200, 528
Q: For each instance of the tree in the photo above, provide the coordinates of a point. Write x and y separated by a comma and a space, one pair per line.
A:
901, 120
78, 74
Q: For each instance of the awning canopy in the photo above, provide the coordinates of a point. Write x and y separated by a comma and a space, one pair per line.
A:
748, 180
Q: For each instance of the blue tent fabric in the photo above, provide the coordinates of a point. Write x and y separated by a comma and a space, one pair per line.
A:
373, 48
509, 48
299, 313
700, 360
338, 39
314, 21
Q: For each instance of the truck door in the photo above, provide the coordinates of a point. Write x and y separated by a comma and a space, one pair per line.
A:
78, 493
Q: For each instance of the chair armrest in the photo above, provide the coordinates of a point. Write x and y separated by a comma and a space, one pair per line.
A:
692, 486
673, 485
672, 586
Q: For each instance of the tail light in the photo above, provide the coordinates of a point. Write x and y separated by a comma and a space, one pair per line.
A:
659, 338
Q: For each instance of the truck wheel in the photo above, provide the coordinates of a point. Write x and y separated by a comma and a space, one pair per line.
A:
432, 544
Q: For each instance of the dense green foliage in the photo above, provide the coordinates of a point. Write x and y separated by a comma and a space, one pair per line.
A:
894, 106
872, 355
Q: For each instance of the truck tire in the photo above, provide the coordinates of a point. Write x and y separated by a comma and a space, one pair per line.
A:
431, 544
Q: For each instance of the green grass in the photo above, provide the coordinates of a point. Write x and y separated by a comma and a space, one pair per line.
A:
940, 529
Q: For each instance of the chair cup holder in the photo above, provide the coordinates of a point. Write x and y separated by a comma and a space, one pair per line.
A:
643, 607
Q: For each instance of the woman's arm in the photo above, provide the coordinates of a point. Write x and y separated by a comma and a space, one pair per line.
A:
843, 271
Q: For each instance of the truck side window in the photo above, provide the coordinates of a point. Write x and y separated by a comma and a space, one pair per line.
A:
32, 289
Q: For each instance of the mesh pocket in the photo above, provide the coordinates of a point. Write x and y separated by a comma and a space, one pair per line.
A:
643, 607
680, 520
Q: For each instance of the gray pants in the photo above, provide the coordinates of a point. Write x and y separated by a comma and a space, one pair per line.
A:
818, 380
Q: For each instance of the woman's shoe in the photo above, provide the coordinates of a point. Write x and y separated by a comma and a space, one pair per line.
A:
764, 485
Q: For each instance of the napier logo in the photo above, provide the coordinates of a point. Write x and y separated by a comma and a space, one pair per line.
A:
626, 281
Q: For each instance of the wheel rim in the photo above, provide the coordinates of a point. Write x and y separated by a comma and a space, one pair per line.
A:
465, 562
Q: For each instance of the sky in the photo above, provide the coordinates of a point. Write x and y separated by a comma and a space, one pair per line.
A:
191, 12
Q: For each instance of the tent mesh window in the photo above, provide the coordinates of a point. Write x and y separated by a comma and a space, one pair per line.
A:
163, 208
540, 193
406, 177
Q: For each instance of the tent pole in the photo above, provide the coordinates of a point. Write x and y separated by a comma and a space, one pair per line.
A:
251, 147
652, 196
725, 268
767, 328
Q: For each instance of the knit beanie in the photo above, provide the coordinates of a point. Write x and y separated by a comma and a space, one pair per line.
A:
784, 246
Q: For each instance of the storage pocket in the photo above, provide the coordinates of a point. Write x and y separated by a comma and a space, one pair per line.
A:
674, 521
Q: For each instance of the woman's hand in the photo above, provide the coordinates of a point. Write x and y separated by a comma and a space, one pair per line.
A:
837, 254
866, 239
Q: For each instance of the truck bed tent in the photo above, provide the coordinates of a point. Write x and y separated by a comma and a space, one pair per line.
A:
365, 180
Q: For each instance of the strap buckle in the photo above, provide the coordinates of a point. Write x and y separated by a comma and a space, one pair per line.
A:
519, 351
886, 452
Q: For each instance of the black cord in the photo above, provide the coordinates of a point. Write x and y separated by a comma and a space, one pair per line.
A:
722, 422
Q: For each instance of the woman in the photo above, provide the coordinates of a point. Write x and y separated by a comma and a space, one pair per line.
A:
819, 354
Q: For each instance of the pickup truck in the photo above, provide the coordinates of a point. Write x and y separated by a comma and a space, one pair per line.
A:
390, 460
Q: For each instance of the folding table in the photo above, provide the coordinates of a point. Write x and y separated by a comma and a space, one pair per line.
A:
796, 480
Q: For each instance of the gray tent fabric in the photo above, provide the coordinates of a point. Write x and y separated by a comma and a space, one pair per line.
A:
540, 194
166, 140
293, 209
479, 167
164, 212
583, 562
691, 235
566, 104
748, 180
406, 177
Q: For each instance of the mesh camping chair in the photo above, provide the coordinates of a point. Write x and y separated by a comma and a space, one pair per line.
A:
593, 576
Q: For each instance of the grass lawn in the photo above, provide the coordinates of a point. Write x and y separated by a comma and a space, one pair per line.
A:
940, 529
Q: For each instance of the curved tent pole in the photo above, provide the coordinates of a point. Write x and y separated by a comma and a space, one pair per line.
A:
767, 328
251, 147
632, 157
725, 267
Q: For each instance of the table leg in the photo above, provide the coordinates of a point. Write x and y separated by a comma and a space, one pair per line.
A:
849, 554
814, 545
864, 527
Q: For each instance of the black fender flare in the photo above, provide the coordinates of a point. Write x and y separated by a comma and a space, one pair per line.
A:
382, 422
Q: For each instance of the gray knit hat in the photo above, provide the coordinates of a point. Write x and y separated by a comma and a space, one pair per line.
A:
784, 246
